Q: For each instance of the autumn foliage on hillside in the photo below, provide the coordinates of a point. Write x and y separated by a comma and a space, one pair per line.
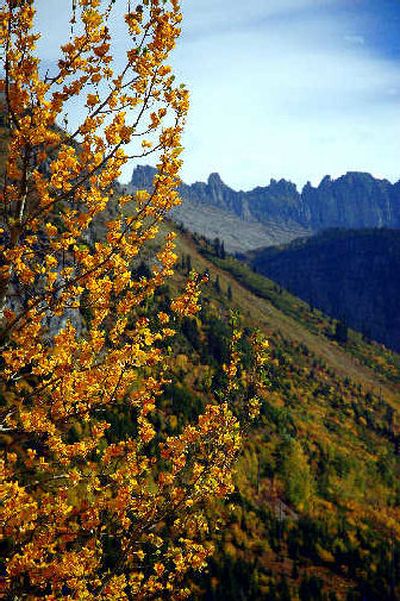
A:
87, 512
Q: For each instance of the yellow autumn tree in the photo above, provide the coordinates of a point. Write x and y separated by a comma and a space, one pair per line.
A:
83, 515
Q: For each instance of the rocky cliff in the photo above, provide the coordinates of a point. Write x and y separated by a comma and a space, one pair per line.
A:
244, 220
355, 200
278, 213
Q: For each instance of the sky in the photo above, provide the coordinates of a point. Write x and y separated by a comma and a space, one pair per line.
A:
281, 88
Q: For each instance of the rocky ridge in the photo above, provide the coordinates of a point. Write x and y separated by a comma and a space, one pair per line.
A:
278, 213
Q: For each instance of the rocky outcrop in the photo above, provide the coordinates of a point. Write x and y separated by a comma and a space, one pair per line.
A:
244, 220
355, 200
278, 213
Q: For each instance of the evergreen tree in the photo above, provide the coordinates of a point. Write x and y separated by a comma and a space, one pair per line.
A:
217, 246
341, 332
188, 264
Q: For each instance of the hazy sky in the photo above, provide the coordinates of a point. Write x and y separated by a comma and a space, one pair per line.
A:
283, 88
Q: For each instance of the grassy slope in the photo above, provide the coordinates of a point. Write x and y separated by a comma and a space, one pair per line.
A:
341, 405
267, 306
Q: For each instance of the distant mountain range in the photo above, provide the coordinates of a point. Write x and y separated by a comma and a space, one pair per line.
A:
279, 213
353, 276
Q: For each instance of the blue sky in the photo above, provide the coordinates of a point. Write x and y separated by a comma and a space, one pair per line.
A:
283, 88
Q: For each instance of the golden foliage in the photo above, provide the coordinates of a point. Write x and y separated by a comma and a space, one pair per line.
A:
85, 515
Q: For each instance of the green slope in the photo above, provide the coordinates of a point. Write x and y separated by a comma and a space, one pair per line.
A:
316, 513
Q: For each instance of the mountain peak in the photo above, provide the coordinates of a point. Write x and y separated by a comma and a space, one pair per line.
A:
278, 211
359, 174
142, 177
326, 181
283, 186
214, 179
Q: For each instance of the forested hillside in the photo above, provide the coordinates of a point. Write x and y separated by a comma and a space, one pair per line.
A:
316, 512
174, 424
351, 275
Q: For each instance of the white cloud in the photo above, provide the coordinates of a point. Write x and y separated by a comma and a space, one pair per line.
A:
279, 88
355, 39
212, 17
288, 97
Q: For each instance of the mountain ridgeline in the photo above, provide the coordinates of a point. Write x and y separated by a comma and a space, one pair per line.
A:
279, 213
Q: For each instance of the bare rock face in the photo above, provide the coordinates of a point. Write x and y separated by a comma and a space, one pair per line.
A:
244, 220
142, 177
278, 213
355, 200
